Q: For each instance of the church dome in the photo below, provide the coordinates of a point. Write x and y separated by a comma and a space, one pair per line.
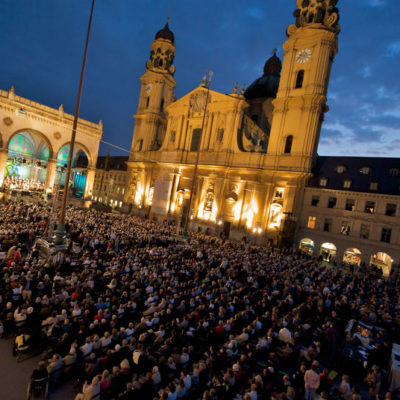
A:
267, 85
165, 33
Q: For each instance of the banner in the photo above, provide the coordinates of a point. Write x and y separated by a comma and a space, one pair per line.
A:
162, 193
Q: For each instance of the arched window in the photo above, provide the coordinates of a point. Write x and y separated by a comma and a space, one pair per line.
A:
147, 102
299, 79
288, 144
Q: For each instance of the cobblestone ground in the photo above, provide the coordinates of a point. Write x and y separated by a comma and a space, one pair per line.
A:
15, 376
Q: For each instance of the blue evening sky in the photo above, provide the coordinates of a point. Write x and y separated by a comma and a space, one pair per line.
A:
41, 46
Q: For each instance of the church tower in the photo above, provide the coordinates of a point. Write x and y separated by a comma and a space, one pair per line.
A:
301, 99
156, 92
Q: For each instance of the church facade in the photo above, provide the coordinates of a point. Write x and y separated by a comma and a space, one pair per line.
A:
235, 163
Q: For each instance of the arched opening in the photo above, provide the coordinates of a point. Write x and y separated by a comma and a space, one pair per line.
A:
26, 168
382, 261
307, 246
352, 256
288, 144
80, 163
328, 252
299, 79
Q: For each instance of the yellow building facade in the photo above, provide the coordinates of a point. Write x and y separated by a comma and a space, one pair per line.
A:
253, 150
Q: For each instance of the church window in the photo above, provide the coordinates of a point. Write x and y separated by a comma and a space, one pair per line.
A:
140, 147
195, 144
220, 135
299, 79
147, 102
311, 222
288, 144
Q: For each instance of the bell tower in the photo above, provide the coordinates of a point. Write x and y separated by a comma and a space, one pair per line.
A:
156, 92
301, 99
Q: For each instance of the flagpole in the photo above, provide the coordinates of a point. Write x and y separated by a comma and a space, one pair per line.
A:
60, 233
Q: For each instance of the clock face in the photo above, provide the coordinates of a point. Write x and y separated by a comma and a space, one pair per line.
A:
303, 56
148, 88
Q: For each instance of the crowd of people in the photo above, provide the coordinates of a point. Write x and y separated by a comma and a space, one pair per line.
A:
144, 314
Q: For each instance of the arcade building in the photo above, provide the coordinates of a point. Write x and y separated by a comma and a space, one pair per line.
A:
34, 147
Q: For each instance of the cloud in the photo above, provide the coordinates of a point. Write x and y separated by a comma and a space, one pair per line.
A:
376, 3
366, 72
255, 13
393, 49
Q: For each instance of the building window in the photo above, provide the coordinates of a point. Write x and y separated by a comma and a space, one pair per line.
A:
347, 184
299, 79
394, 172
350, 205
365, 170
162, 105
386, 235
323, 182
288, 144
195, 144
390, 209
315, 201
373, 186
147, 102
140, 147
369, 207
332, 202
172, 137
328, 225
340, 169
364, 231
345, 229
311, 222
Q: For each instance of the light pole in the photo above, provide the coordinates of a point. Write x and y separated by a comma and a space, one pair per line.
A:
188, 210
60, 233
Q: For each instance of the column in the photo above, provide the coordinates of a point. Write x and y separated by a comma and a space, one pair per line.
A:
3, 164
51, 173
89, 182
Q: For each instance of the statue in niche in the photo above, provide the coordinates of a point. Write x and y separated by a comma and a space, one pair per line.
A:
208, 204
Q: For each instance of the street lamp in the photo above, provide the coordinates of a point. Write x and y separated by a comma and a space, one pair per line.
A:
60, 233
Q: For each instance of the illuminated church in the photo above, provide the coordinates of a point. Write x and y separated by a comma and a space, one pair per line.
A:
255, 147
245, 164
